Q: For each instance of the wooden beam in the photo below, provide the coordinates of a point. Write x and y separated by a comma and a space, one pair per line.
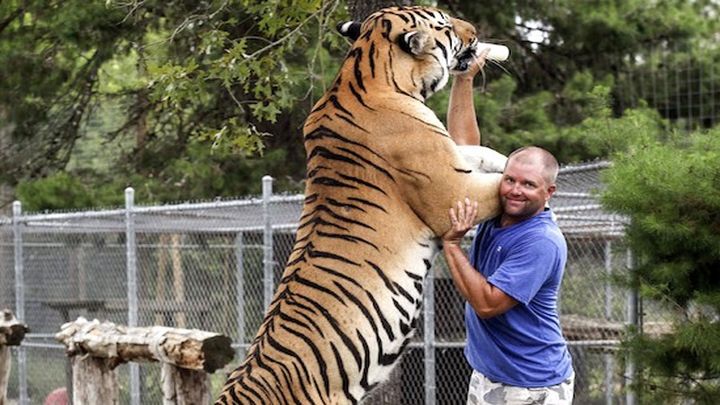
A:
96, 348
191, 349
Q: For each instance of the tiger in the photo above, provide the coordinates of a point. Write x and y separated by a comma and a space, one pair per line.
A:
382, 173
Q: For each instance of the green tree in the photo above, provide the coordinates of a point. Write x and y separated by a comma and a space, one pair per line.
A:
50, 57
668, 189
128, 93
153, 83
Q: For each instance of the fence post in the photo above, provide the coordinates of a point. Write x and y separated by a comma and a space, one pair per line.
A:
240, 292
609, 359
429, 336
132, 294
632, 319
268, 262
20, 298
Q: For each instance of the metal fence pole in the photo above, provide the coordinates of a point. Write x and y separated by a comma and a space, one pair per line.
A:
609, 359
20, 298
632, 319
132, 293
240, 293
268, 263
429, 337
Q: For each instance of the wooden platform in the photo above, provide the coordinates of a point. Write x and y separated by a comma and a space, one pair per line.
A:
578, 328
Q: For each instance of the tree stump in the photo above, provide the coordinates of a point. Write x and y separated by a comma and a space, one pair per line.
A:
94, 381
12, 333
184, 387
187, 355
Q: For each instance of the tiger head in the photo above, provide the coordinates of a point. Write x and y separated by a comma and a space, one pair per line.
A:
420, 47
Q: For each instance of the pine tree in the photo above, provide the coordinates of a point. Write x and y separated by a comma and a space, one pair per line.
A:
669, 191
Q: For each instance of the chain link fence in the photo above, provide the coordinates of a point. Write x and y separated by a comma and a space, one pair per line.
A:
213, 266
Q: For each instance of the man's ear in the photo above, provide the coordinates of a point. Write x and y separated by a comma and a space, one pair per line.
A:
415, 42
350, 29
551, 190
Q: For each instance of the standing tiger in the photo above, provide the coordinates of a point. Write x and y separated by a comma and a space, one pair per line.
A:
382, 173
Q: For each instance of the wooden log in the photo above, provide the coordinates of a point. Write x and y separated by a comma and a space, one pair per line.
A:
184, 387
186, 348
12, 333
5, 359
576, 328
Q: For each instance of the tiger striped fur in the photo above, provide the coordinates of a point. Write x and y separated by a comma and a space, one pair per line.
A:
382, 173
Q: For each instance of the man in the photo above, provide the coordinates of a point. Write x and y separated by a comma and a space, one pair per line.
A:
512, 277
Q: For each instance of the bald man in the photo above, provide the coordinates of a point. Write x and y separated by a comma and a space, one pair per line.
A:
512, 276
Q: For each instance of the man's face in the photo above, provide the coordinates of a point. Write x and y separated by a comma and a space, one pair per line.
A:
524, 190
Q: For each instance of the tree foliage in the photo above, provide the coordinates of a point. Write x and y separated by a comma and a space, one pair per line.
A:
50, 55
668, 189
565, 54
186, 100
211, 83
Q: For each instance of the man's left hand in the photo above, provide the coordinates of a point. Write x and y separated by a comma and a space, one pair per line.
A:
476, 66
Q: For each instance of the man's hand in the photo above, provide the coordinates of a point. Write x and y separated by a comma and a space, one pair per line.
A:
462, 218
476, 66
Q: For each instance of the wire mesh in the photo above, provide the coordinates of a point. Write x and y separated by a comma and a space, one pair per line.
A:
205, 265
683, 87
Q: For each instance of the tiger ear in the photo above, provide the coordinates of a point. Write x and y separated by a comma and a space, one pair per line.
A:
350, 29
415, 42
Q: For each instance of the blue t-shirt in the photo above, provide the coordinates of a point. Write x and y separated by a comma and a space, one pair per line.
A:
524, 346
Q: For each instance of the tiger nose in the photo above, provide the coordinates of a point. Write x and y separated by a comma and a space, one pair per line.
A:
463, 27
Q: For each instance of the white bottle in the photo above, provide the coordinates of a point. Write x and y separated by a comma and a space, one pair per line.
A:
497, 52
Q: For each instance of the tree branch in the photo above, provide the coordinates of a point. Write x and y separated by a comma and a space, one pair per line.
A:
294, 30
6, 22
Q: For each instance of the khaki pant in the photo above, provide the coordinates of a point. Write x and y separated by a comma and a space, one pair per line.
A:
485, 392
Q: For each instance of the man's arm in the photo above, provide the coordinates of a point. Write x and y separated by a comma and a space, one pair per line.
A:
485, 299
461, 118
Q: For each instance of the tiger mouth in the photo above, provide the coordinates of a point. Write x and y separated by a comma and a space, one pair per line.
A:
462, 65
464, 59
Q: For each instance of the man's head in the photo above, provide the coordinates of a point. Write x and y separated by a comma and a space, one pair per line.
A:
528, 183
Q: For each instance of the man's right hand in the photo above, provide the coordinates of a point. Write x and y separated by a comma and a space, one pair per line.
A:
461, 220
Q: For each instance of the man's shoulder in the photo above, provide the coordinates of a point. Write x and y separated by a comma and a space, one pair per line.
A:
543, 231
